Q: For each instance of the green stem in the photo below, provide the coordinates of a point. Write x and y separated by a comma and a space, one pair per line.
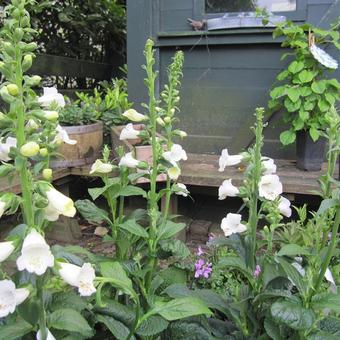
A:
42, 314
18, 107
330, 251
136, 322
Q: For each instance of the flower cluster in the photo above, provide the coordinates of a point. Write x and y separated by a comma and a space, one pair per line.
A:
202, 268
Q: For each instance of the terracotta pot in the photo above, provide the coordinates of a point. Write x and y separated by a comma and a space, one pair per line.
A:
88, 148
309, 154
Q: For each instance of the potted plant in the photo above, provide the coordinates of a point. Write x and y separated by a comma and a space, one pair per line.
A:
82, 124
304, 92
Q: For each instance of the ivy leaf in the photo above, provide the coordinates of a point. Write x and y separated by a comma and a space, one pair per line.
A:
292, 106
308, 105
318, 87
323, 105
296, 66
314, 133
304, 115
278, 92
305, 91
330, 98
306, 76
282, 75
287, 137
293, 94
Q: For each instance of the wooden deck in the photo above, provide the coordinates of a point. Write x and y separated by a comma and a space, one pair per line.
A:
202, 170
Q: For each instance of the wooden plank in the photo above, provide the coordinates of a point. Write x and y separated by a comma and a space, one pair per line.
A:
14, 184
46, 64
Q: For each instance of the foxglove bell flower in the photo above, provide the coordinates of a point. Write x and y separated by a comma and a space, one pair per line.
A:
184, 191
5, 147
51, 96
174, 172
63, 137
30, 149
49, 335
323, 57
129, 132
99, 167
10, 297
228, 160
176, 154
270, 187
227, 189
36, 255
58, 204
129, 161
134, 116
231, 224
80, 277
269, 166
284, 207
6, 249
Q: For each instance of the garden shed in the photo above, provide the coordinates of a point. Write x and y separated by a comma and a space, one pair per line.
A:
227, 71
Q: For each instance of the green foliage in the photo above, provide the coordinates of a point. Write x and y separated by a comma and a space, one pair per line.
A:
76, 114
303, 91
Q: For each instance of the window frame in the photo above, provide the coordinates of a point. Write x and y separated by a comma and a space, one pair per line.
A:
300, 14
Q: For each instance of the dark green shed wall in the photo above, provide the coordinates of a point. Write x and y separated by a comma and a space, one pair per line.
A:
227, 74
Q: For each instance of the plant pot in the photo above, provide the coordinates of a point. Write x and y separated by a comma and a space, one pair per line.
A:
88, 148
309, 154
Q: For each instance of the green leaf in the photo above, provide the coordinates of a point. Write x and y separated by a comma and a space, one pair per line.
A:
233, 262
326, 301
306, 76
282, 75
305, 91
131, 190
117, 328
15, 330
189, 329
330, 99
155, 324
330, 325
318, 87
91, 212
273, 294
292, 106
296, 66
320, 335
292, 250
327, 204
293, 94
169, 229
176, 247
272, 329
304, 115
278, 92
293, 275
113, 185
308, 105
292, 314
115, 270
68, 300
287, 137
69, 320
314, 133
323, 105
180, 308
334, 83
134, 228
29, 310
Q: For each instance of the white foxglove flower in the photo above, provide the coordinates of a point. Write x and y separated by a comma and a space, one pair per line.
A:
299, 268
5, 147
51, 96
49, 335
58, 204
228, 160
36, 255
174, 172
269, 166
99, 167
184, 191
231, 224
329, 277
134, 116
323, 57
284, 207
128, 160
270, 187
227, 189
80, 277
6, 249
10, 297
62, 136
129, 132
176, 154
30, 149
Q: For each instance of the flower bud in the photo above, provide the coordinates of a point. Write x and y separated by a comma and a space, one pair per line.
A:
4, 120
32, 124
33, 81
5, 169
160, 121
18, 34
47, 174
172, 111
143, 165
16, 13
9, 49
5, 95
29, 47
13, 89
27, 62
158, 109
182, 134
167, 120
30, 149
25, 21
51, 115
43, 152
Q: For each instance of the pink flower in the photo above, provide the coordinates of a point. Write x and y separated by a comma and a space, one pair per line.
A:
257, 271
202, 269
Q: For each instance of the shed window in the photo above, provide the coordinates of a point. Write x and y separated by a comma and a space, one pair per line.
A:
223, 6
